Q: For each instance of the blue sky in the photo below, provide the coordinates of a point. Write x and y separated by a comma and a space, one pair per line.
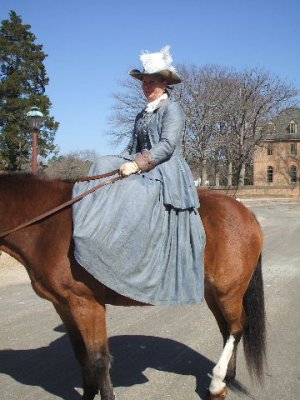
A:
92, 44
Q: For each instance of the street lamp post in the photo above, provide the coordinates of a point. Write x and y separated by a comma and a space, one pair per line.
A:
35, 117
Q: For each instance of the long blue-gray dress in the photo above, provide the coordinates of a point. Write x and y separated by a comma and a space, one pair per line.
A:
142, 236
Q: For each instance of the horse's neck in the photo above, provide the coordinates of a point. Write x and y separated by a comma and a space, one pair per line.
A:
23, 200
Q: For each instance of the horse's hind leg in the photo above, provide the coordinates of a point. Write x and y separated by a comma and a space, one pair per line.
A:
230, 318
223, 326
86, 326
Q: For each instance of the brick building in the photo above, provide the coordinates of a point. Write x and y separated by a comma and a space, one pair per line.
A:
277, 160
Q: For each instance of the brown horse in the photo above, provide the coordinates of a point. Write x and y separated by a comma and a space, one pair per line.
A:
233, 277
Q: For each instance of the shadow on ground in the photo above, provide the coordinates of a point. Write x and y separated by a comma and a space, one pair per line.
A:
55, 369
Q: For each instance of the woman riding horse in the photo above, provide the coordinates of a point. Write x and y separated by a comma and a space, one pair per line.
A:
143, 237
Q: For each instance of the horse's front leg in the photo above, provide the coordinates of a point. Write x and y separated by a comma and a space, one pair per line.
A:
85, 322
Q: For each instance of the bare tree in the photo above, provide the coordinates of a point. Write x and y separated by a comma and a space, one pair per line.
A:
256, 97
128, 103
199, 96
226, 111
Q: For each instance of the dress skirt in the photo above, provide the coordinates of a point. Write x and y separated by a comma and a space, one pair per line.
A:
128, 239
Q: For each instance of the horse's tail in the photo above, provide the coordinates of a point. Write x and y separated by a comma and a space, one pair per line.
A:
254, 337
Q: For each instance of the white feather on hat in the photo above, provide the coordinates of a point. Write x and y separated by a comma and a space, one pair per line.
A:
155, 62
159, 63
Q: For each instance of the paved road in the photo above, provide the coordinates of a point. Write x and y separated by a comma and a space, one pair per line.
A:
160, 353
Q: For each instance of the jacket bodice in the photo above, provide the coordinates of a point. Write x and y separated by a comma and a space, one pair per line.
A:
165, 129
160, 134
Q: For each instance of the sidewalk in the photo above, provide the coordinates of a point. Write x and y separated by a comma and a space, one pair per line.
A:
268, 200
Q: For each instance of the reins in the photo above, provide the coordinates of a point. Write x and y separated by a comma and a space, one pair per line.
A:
69, 202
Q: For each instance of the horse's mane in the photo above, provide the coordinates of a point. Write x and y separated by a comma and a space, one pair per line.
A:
17, 176
20, 176
28, 186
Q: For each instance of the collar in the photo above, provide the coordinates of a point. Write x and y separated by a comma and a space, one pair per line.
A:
153, 105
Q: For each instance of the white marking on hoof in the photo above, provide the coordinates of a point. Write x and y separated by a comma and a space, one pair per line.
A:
219, 396
219, 372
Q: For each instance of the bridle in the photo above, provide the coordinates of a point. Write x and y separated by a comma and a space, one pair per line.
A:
69, 202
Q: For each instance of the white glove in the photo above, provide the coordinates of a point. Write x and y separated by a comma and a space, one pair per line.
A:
129, 168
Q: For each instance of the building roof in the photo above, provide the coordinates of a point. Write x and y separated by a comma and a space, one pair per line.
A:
286, 126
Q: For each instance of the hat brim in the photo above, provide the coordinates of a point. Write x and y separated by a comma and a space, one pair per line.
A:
170, 76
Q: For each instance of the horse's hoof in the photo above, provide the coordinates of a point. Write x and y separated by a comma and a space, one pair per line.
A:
219, 396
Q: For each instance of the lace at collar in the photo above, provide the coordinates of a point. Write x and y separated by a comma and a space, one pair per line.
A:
153, 105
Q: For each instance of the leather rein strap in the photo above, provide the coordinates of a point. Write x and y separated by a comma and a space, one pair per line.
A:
69, 202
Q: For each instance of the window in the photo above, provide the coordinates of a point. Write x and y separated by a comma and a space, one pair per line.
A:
293, 149
270, 174
292, 127
269, 151
293, 174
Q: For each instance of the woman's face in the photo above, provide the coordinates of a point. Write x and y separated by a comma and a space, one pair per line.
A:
153, 87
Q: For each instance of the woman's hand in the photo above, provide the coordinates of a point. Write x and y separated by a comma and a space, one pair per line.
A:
129, 168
